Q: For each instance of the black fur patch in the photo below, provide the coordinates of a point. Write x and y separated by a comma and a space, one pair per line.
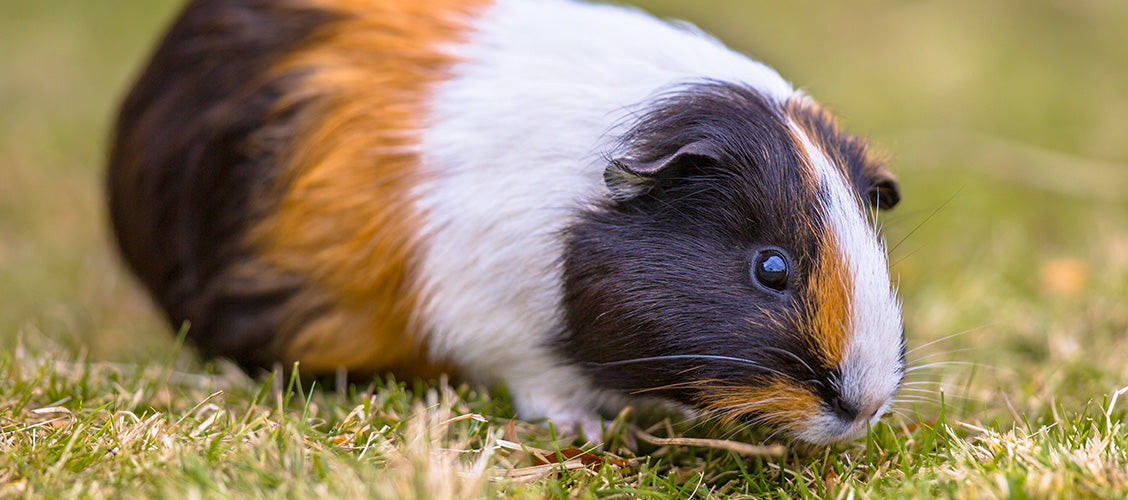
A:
655, 280
189, 156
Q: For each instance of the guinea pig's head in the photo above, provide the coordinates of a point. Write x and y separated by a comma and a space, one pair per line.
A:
735, 266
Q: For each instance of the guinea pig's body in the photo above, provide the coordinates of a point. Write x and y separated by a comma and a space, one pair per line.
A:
578, 201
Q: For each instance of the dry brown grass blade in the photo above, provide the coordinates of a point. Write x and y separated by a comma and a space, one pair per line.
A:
773, 450
518, 452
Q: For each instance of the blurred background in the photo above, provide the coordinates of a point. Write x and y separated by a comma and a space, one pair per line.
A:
1006, 121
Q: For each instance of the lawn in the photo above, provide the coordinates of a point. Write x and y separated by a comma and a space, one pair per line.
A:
1007, 123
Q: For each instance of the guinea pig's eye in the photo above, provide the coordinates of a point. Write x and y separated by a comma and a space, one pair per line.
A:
770, 270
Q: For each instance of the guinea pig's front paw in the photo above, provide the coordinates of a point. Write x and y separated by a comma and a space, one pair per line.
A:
574, 416
561, 395
578, 423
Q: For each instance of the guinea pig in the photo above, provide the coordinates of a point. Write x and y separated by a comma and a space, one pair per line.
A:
580, 202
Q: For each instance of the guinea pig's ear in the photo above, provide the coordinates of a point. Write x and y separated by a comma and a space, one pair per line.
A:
628, 178
885, 192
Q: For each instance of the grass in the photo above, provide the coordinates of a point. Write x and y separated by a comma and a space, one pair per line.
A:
1006, 121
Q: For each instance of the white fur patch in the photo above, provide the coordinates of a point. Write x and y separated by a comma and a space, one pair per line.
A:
872, 367
512, 149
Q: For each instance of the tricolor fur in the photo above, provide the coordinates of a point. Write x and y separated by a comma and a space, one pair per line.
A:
559, 196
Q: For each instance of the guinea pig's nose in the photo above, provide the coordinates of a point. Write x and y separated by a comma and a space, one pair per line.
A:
845, 410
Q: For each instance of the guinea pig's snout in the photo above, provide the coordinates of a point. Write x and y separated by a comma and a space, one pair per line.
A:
851, 412
856, 399
845, 410
842, 418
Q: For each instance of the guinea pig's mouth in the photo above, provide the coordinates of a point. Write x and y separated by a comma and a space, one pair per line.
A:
794, 411
829, 427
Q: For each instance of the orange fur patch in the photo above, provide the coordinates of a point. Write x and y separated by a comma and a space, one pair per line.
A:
829, 288
346, 219
777, 403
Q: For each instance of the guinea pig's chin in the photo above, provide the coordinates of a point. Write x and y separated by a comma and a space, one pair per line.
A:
825, 428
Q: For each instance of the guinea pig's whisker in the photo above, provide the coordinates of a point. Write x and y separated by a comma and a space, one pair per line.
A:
813, 381
675, 385
897, 412
705, 418
933, 390
722, 416
915, 399
717, 416
907, 414
961, 396
919, 405
919, 391
758, 402
690, 370
772, 435
945, 339
944, 363
913, 383
747, 412
741, 408
901, 415
790, 354
675, 357
740, 429
917, 361
904, 257
923, 222
914, 412
769, 419
930, 390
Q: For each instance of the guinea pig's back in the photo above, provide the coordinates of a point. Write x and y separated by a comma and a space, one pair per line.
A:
263, 176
